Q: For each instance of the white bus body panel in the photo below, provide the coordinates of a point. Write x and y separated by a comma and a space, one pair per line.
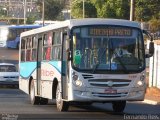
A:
23, 85
48, 73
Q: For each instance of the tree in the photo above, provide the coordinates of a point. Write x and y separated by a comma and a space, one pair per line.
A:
104, 8
122, 9
53, 8
31, 19
77, 9
154, 25
147, 10
101, 8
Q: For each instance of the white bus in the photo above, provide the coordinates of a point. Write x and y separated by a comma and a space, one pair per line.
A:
72, 62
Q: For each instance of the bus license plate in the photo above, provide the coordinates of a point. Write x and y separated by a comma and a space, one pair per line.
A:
110, 91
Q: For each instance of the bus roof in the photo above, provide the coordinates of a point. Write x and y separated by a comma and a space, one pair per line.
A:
82, 22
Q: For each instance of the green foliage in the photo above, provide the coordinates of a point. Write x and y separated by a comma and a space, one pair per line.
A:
52, 9
154, 25
2, 12
77, 9
31, 19
101, 8
147, 10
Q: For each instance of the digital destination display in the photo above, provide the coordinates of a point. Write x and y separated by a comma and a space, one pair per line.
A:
110, 32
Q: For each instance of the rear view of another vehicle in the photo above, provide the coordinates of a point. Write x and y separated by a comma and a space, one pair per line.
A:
8, 74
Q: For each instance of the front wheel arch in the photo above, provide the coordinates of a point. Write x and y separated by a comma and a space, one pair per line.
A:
54, 88
29, 85
35, 100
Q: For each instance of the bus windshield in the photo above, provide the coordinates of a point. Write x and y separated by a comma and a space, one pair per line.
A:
109, 48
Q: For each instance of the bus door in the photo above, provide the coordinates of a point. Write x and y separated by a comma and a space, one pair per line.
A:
39, 59
65, 66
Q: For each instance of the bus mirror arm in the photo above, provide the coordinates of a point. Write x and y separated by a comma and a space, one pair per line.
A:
148, 34
68, 55
151, 50
151, 44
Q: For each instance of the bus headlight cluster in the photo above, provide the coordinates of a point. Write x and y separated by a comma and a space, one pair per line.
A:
141, 81
77, 82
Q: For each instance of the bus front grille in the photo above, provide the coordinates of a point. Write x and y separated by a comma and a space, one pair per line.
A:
109, 95
109, 82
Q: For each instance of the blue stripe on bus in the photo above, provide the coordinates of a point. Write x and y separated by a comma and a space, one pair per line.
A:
56, 65
27, 68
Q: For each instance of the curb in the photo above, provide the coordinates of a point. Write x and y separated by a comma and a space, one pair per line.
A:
152, 102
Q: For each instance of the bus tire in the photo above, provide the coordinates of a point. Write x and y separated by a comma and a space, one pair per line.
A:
43, 101
60, 103
118, 106
35, 100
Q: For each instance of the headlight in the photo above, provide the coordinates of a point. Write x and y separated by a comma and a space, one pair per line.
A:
78, 83
140, 83
76, 80
142, 77
75, 77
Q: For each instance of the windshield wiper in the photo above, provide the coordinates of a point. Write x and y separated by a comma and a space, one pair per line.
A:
96, 65
119, 60
121, 63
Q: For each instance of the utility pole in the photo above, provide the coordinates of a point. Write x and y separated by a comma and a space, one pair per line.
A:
24, 1
43, 11
132, 9
83, 10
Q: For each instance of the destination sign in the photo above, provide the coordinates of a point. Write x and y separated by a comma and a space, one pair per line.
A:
110, 32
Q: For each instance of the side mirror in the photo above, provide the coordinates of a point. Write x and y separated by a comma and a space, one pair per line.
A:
68, 55
151, 44
151, 50
148, 34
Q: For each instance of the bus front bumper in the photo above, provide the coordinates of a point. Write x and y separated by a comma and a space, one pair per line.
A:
100, 95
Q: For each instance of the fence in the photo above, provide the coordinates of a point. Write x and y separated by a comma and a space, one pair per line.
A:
154, 67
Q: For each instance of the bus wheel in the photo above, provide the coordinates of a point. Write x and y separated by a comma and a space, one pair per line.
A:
118, 106
61, 104
43, 101
35, 100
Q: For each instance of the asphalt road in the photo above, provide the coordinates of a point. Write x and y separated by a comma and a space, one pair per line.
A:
14, 103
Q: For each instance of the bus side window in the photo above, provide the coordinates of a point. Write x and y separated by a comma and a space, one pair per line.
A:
28, 55
22, 55
28, 50
56, 49
34, 50
49, 43
23, 49
12, 35
47, 40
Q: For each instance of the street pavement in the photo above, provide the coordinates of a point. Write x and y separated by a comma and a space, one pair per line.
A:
152, 96
15, 103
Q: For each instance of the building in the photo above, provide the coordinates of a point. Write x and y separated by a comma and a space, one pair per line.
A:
15, 8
